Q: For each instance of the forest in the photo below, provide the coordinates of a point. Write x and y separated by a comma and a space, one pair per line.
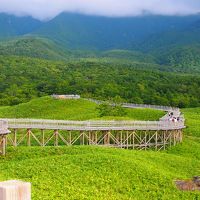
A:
25, 78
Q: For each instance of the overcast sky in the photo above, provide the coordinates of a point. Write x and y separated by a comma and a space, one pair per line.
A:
45, 9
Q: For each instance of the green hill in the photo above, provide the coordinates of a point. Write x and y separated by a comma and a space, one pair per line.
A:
33, 47
103, 173
49, 108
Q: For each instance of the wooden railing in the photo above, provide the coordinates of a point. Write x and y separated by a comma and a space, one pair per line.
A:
93, 125
131, 105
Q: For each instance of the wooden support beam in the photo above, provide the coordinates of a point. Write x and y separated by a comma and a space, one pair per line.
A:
127, 139
56, 137
43, 137
29, 137
3, 145
106, 137
133, 140
70, 138
164, 140
15, 137
156, 140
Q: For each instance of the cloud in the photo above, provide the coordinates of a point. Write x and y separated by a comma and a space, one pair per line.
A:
45, 9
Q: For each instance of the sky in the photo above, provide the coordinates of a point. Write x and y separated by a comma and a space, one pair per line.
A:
47, 9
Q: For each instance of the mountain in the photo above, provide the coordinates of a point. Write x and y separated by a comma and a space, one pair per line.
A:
170, 41
77, 31
33, 47
12, 26
189, 35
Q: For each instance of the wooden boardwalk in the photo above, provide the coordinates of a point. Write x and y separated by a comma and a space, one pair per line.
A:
122, 134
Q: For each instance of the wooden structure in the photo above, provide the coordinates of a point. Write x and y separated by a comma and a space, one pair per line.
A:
3, 134
122, 134
70, 96
15, 190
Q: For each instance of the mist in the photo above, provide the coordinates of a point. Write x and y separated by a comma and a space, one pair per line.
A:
47, 9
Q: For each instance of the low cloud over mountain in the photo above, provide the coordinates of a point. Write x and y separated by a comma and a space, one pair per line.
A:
45, 9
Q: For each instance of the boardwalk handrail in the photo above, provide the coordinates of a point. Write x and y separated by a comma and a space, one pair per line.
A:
94, 125
132, 105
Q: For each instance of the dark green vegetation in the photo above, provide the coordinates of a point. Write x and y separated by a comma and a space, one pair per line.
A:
33, 47
173, 41
25, 78
102, 173
12, 26
48, 108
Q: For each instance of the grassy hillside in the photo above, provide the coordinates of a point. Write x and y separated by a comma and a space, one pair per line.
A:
48, 108
103, 173
33, 47
193, 121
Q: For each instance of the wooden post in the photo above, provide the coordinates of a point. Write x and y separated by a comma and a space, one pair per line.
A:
56, 137
3, 145
29, 137
106, 138
70, 138
96, 137
15, 190
170, 139
127, 139
164, 142
145, 140
133, 140
43, 137
15, 137
181, 135
156, 140
174, 134
82, 137
117, 136
90, 138
121, 138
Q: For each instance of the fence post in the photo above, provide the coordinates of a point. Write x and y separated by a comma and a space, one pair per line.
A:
15, 190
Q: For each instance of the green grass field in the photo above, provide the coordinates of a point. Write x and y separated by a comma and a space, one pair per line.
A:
48, 108
105, 173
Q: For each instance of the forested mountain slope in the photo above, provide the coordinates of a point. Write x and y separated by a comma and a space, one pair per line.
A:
34, 47
11, 26
26, 78
104, 33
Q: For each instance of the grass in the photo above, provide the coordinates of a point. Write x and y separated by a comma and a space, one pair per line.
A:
79, 172
48, 108
192, 116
